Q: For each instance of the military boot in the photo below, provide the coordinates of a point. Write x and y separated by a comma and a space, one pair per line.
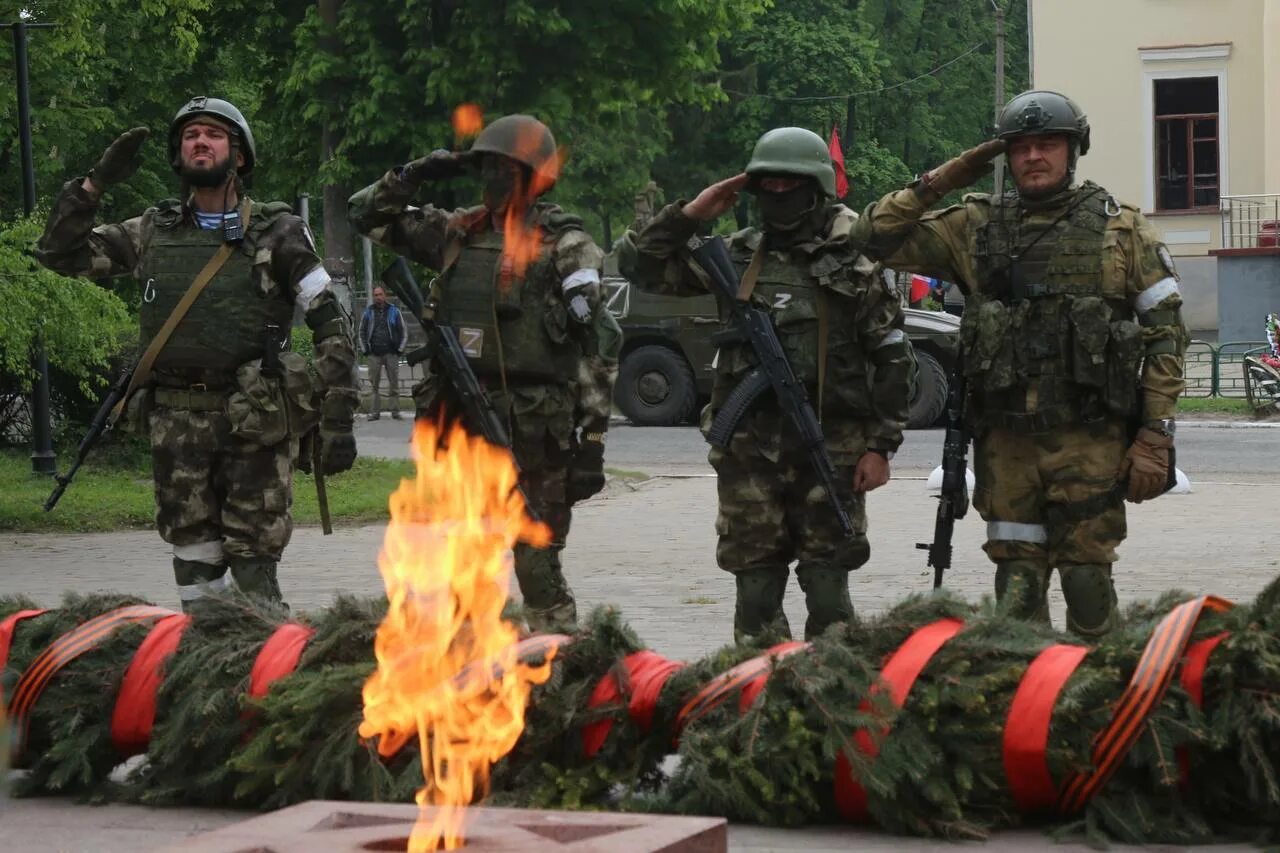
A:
256, 578
759, 604
549, 607
1022, 586
826, 595
197, 580
1091, 599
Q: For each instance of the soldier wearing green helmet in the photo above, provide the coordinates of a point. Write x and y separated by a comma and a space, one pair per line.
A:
539, 338
1073, 341
842, 328
225, 410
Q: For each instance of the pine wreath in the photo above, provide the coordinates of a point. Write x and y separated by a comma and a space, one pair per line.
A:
938, 718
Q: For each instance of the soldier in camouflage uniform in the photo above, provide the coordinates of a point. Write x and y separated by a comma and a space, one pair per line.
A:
842, 329
1072, 331
224, 430
538, 339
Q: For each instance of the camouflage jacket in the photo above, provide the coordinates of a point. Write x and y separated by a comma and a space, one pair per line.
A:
866, 331
285, 257
900, 231
382, 212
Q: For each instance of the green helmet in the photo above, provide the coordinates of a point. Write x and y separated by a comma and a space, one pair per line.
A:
794, 151
1042, 112
223, 111
522, 138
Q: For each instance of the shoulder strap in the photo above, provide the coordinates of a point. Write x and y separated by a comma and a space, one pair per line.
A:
749, 278
142, 372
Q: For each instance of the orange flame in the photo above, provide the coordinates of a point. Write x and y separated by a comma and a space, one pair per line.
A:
522, 240
448, 669
468, 121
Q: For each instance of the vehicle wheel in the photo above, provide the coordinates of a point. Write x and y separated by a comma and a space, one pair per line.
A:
931, 393
655, 387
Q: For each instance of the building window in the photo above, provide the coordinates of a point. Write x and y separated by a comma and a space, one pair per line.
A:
1186, 116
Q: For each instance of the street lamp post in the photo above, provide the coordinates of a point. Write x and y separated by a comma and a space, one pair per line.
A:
43, 460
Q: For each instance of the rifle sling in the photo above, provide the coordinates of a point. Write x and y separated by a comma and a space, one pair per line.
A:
142, 372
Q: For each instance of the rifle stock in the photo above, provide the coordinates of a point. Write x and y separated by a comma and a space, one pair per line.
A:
757, 326
953, 497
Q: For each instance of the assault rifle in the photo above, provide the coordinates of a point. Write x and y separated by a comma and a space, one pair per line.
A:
103, 420
953, 499
442, 344
773, 371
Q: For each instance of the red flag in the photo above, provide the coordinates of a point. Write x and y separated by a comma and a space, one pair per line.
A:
837, 161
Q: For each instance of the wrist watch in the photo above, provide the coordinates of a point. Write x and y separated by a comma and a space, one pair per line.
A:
887, 454
1165, 427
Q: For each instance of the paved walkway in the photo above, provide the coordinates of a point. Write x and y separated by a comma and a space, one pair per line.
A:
648, 548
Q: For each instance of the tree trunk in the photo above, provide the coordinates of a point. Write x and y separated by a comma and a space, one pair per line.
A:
339, 251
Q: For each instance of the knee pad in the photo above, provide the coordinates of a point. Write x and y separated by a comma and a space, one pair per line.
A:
1022, 588
1091, 599
826, 595
759, 603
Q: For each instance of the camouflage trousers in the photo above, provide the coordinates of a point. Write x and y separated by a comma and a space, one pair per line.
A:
540, 422
1049, 501
774, 511
220, 501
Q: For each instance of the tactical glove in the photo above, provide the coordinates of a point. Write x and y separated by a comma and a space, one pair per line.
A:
961, 171
121, 159
438, 165
337, 443
586, 469
1146, 465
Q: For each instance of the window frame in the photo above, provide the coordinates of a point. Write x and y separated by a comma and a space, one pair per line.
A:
1149, 79
1191, 140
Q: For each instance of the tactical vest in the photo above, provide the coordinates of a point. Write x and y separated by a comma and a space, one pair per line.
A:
226, 326
1045, 344
519, 326
791, 287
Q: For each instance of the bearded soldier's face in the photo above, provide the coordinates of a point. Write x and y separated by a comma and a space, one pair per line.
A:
205, 153
1039, 164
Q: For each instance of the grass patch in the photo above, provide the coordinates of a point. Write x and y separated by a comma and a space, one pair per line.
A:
1214, 405
623, 474
114, 491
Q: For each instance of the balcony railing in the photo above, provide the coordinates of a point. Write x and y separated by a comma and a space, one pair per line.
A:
1250, 221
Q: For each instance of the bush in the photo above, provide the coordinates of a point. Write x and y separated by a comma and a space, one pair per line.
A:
86, 331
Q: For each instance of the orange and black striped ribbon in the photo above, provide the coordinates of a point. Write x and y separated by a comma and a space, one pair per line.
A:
63, 651
1150, 682
709, 697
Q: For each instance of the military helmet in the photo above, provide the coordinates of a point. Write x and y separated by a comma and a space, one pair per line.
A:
794, 151
522, 138
223, 111
1042, 112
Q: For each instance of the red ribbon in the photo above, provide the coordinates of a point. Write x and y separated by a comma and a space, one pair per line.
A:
1026, 729
278, 657
1194, 663
898, 675
7, 628
135, 709
646, 674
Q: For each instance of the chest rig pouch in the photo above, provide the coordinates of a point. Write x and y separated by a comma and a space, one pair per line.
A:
1046, 323
224, 327
508, 326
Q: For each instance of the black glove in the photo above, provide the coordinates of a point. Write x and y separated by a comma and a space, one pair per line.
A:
121, 159
586, 468
337, 443
438, 165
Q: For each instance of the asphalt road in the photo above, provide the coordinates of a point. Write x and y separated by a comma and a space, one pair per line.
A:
1206, 452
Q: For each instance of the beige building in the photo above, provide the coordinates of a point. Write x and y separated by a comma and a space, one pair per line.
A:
1184, 101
